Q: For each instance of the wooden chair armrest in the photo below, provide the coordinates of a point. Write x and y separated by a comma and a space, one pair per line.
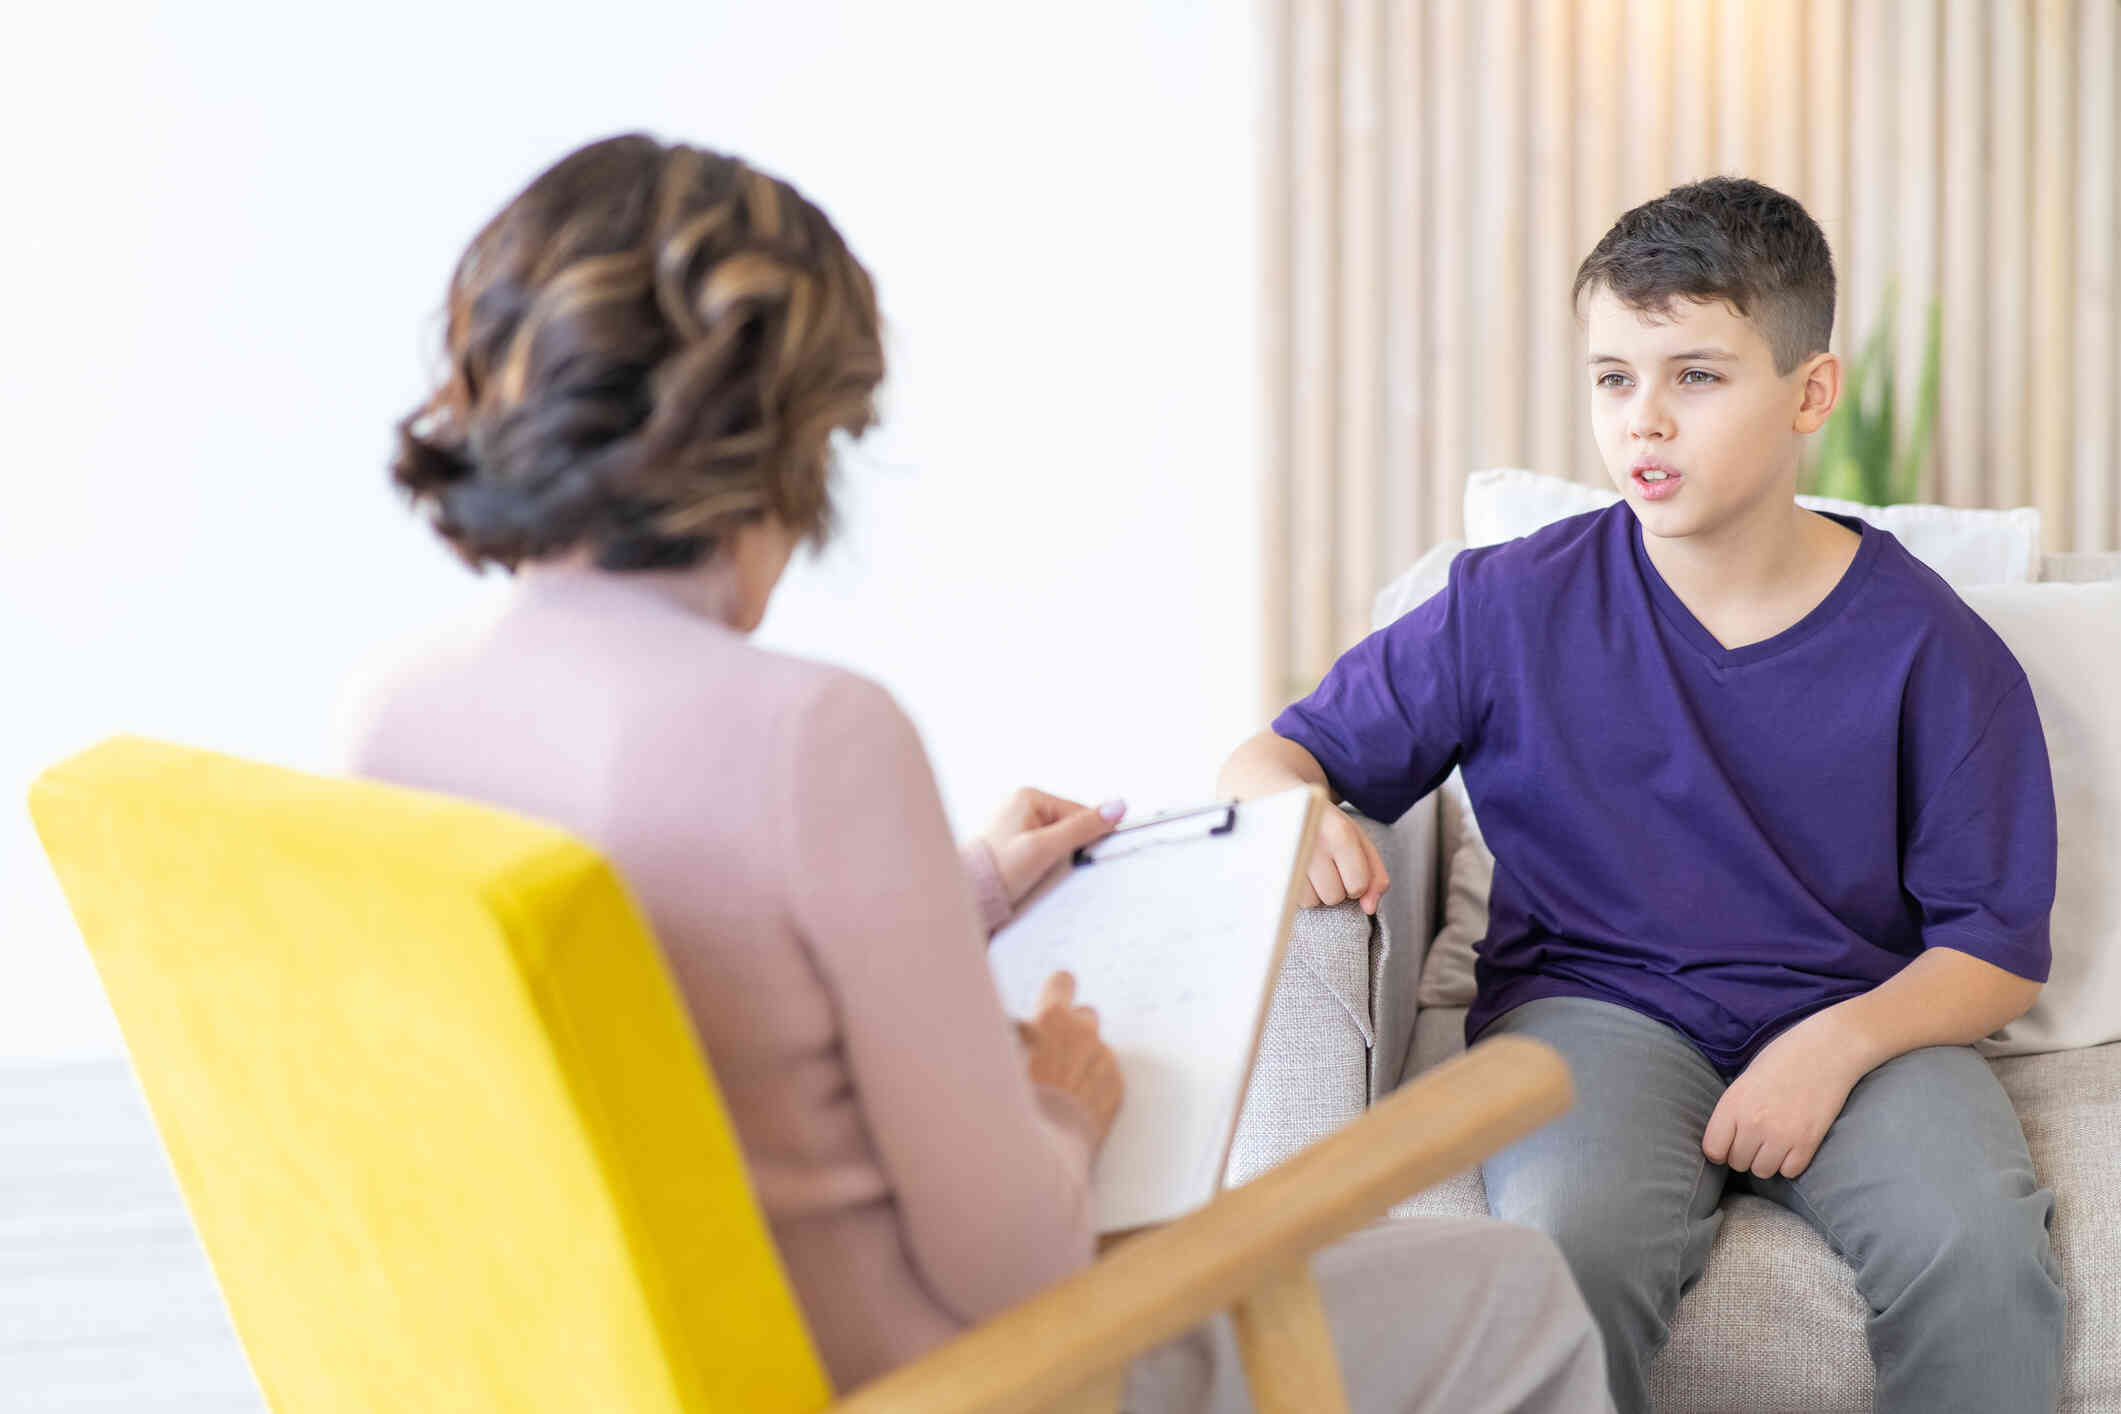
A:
1150, 1287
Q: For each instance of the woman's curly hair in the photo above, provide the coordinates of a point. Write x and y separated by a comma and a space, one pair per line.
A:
648, 347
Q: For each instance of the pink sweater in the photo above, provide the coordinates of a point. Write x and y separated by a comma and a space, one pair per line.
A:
778, 821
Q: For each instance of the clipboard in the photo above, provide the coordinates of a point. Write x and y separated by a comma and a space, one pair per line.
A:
1175, 928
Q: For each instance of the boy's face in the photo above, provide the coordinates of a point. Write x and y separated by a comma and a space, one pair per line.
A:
1696, 394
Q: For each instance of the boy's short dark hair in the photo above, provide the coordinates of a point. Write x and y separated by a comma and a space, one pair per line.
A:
1729, 239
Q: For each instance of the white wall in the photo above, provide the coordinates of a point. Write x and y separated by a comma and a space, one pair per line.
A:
227, 233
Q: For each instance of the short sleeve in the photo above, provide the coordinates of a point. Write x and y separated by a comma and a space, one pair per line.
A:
1979, 861
1387, 724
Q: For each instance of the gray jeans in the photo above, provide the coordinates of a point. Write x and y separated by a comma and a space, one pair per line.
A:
1923, 1185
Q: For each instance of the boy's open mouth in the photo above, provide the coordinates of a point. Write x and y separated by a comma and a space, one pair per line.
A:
1656, 483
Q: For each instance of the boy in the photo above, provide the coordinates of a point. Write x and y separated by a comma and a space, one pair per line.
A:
1773, 828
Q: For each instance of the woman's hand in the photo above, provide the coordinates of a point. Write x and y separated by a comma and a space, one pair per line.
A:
1344, 865
1774, 1116
1066, 1054
1034, 831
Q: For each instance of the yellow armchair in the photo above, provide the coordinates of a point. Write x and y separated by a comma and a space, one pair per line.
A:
450, 1142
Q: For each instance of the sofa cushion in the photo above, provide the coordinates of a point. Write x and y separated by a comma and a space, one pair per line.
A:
1811, 1354
2067, 637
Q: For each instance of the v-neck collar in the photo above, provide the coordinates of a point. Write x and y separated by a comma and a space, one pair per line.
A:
1823, 613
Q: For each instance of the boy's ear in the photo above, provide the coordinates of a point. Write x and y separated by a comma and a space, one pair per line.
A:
1820, 377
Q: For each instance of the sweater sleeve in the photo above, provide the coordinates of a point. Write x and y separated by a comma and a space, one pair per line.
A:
989, 1173
987, 890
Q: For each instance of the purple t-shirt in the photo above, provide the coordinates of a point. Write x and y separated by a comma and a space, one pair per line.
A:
1724, 839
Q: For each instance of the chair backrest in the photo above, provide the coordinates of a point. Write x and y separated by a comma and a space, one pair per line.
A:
437, 1111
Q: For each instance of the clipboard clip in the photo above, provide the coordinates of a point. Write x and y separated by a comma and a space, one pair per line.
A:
1103, 849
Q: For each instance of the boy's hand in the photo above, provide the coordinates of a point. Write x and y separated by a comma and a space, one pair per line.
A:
1344, 865
1776, 1113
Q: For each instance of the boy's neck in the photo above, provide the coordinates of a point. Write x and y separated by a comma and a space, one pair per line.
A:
1776, 551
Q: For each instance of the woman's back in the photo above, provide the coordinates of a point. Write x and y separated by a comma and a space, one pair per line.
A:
779, 824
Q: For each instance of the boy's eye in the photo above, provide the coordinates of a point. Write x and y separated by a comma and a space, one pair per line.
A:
1604, 380
1706, 376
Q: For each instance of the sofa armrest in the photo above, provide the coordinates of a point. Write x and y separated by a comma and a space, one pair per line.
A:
1341, 1022
1399, 943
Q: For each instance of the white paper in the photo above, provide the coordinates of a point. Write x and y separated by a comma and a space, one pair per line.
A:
1176, 945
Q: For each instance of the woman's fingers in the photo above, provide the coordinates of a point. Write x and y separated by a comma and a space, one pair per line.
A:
1059, 991
1073, 830
1041, 809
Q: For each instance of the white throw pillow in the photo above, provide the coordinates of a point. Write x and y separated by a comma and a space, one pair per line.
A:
2067, 637
1469, 871
1963, 545
1502, 503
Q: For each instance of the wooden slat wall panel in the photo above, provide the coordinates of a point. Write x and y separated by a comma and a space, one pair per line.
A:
1276, 360
1436, 169
1451, 377
2098, 325
1362, 175
1553, 384
1406, 510
2010, 231
2054, 265
1315, 330
1962, 397
1916, 152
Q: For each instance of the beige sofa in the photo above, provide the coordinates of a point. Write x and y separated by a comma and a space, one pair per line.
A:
1775, 1323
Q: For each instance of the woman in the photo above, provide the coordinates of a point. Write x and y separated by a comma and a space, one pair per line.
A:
648, 352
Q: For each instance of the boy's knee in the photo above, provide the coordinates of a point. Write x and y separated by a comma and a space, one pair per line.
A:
1974, 1260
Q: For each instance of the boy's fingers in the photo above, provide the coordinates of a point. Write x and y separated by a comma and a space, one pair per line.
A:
1325, 881
1354, 869
1379, 880
1716, 1142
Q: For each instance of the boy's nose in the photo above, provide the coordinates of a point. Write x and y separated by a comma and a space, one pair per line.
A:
1648, 423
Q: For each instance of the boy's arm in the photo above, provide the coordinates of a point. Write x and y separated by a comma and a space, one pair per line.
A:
1265, 764
1773, 1117
1943, 998
1343, 864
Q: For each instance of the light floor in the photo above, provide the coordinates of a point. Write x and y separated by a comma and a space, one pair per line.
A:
106, 1301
